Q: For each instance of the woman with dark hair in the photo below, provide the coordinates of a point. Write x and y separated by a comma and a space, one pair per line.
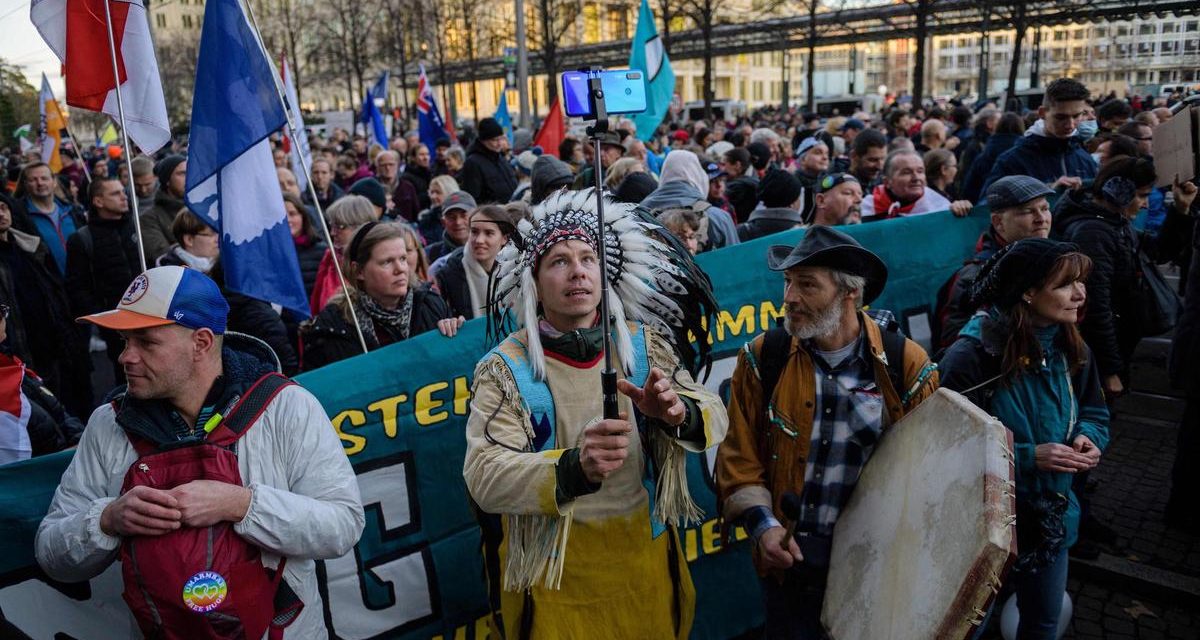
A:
1008, 132
1099, 221
1022, 359
389, 306
940, 169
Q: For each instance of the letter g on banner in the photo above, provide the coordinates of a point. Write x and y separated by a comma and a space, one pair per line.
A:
382, 587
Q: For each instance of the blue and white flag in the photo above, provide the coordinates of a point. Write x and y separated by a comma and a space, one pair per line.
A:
370, 113
648, 54
231, 181
503, 118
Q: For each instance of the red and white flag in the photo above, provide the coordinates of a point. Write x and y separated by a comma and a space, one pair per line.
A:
77, 32
14, 412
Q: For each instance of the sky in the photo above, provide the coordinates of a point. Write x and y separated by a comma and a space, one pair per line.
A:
23, 46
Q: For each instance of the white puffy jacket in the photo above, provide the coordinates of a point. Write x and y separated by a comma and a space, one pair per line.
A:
305, 503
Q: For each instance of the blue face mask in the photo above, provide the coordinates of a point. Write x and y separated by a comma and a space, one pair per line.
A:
1087, 129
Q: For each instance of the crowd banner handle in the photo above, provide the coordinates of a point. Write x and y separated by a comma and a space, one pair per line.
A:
112, 51
312, 189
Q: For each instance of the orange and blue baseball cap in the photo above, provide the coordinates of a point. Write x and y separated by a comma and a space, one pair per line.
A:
167, 295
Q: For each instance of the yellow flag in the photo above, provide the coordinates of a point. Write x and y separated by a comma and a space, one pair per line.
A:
109, 135
53, 123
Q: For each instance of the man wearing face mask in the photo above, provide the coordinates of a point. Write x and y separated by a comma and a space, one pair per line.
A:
1051, 150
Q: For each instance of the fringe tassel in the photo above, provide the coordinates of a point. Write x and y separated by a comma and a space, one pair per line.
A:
673, 503
537, 551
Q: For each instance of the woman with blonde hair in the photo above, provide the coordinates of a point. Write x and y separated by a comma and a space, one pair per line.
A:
621, 168
429, 221
345, 217
416, 253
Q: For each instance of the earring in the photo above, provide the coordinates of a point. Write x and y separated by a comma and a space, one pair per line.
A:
1028, 300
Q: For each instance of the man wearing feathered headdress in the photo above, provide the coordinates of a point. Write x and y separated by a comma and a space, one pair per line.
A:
586, 509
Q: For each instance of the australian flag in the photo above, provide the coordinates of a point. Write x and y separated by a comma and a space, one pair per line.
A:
429, 119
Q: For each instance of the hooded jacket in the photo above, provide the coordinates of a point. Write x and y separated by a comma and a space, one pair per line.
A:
487, 176
683, 183
1110, 323
1042, 157
290, 459
1036, 407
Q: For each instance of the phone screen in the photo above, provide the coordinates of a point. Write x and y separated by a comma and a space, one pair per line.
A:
624, 92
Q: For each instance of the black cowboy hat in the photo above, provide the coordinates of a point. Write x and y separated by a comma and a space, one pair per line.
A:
825, 247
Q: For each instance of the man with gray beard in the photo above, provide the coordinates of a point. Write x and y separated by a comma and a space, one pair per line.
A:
809, 401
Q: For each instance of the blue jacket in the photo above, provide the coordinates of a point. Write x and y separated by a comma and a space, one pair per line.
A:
55, 228
1044, 158
1036, 407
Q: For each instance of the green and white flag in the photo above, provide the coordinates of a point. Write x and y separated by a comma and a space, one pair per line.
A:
650, 56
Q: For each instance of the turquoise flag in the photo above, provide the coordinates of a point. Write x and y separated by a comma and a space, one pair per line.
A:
503, 118
650, 56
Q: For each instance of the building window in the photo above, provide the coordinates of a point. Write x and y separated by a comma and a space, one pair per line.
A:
1000, 40
160, 20
1191, 46
1000, 58
1122, 30
1168, 27
1168, 48
1145, 48
1058, 54
945, 62
1100, 32
187, 22
1078, 53
1077, 34
1145, 29
591, 23
618, 22
1060, 35
1192, 26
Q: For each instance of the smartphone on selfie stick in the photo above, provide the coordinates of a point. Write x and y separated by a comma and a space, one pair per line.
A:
592, 94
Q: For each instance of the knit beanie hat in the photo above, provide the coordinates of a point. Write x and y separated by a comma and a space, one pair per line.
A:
635, 187
549, 174
166, 167
489, 128
778, 188
372, 190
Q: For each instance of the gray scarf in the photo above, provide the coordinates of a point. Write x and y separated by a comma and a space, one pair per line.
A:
396, 322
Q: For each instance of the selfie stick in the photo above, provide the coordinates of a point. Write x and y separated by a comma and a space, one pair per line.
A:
608, 377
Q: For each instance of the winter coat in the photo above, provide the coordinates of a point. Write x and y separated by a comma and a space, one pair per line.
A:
1110, 321
954, 308
764, 222
329, 197
290, 457
41, 328
1042, 157
102, 259
55, 228
329, 337
982, 163
419, 178
1036, 407
452, 285
679, 194
309, 252
487, 176
444, 247
156, 225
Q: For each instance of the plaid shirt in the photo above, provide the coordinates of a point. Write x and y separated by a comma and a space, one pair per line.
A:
847, 424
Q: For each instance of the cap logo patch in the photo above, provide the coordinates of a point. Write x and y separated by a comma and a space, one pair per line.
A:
178, 316
136, 290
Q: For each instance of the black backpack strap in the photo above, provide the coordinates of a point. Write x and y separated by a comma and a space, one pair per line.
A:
893, 352
772, 358
248, 408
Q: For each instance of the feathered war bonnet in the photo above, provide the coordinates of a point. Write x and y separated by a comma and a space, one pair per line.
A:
652, 278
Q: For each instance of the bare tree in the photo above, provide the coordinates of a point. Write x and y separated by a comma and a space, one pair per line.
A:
282, 24
1018, 18
347, 28
921, 11
464, 45
704, 13
177, 67
552, 19
399, 39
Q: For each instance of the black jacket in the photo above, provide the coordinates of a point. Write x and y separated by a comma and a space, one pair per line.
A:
419, 178
764, 222
51, 428
954, 309
443, 247
329, 337
102, 259
453, 287
1110, 319
1184, 366
309, 252
327, 199
487, 176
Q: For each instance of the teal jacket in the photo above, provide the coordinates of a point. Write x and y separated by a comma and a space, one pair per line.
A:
1037, 407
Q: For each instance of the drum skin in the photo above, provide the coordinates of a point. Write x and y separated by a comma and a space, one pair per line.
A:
921, 547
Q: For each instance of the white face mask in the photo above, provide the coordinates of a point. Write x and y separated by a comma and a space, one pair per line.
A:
1096, 157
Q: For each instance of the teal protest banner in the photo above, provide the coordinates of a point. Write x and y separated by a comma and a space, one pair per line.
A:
400, 413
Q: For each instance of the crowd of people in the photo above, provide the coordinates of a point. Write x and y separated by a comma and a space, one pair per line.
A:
1038, 327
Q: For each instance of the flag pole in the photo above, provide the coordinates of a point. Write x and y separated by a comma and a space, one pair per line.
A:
312, 189
112, 51
87, 171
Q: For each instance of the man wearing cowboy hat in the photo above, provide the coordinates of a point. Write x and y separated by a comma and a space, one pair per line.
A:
611, 150
809, 401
